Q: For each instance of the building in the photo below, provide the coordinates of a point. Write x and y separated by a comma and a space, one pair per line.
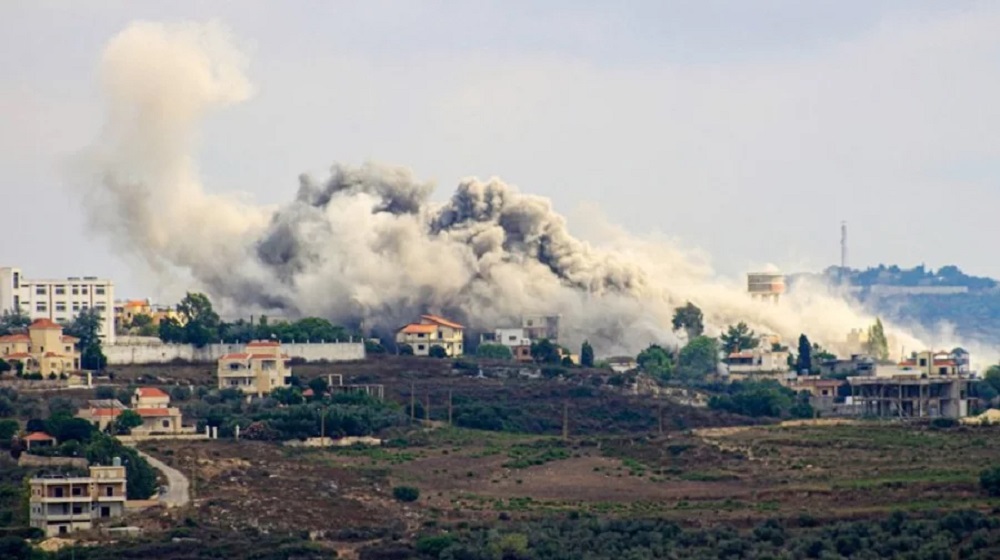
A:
44, 349
62, 504
766, 286
622, 364
763, 360
59, 300
150, 403
127, 311
431, 331
258, 370
516, 339
538, 327
38, 440
925, 385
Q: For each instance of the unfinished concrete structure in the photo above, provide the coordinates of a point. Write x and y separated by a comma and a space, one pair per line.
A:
928, 385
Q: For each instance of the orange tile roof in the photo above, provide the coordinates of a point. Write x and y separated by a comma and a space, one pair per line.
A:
308, 393
17, 356
15, 338
263, 343
44, 324
68, 338
137, 303
39, 436
416, 328
151, 392
441, 321
237, 356
263, 357
154, 412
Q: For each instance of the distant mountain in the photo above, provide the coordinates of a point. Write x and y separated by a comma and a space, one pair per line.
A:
922, 296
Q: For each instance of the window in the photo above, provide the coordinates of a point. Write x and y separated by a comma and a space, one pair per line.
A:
420, 347
99, 290
58, 492
17, 280
166, 423
100, 306
68, 349
923, 362
60, 290
76, 291
40, 290
110, 491
234, 366
76, 307
60, 306
42, 307
77, 491
83, 290
77, 510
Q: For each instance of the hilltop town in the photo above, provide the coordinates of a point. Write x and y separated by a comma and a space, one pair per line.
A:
137, 425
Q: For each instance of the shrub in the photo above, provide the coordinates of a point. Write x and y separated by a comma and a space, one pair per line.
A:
989, 481
494, 352
406, 493
943, 423
437, 351
433, 545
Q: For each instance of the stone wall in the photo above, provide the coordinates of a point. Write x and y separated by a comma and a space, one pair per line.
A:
152, 353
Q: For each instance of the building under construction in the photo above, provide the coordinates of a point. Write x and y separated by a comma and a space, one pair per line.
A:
927, 386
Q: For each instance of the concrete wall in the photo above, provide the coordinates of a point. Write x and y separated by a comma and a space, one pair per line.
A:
28, 460
121, 354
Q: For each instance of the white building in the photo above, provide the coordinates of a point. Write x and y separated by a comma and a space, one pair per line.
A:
509, 337
59, 300
760, 360
63, 504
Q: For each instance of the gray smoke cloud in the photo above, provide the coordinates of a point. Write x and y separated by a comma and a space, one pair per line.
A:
366, 244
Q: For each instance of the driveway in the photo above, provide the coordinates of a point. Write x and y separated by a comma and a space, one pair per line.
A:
177, 493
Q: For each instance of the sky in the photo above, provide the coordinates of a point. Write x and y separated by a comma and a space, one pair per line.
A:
745, 130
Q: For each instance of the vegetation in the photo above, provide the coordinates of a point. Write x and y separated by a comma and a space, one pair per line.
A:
698, 358
877, 345
13, 321
87, 327
494, 352
406, 493
760, 398
437, 351
656, 361
544, 352
803, 363
989, 480
689, 319
586, 354
738, 337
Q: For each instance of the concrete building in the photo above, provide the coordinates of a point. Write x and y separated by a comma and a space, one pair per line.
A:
39, 440
766, 286
44, 349
62, 504
538, 327
926, 385
258, 370
431, 331
150, 403
127, 311
59, 300
516, 339
763, 360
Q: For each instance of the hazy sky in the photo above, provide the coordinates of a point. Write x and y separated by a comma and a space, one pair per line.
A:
746, 129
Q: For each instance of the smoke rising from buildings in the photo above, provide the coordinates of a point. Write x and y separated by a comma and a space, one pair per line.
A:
367, 244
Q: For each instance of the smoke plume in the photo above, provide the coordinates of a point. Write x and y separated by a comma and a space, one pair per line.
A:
366, 244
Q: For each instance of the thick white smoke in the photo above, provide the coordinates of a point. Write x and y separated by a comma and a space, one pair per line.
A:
365, 244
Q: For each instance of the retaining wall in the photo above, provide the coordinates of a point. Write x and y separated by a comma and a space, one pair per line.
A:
132, 354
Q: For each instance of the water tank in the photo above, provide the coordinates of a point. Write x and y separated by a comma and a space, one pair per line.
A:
767, 285
116, 462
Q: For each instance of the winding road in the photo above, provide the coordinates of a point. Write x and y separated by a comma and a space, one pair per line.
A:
178, 492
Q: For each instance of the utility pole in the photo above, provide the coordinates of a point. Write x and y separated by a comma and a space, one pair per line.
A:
413, 403
449, 407
322, 427
565, 430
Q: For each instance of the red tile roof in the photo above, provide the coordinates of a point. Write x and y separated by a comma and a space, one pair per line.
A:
263, 343
441, 321
238, 356
17, 356
154, 412
263, 357
415, 328
68, 338
308, 393
15, 338
39, 436
151, 392
44, 324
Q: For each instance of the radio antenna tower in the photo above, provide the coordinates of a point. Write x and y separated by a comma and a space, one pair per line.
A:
843, 246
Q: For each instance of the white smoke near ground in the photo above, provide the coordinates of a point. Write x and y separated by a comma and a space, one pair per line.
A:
366, 245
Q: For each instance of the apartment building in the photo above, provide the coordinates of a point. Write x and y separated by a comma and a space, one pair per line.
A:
59, 300
64, 504
259, 369
44, 349
431, 331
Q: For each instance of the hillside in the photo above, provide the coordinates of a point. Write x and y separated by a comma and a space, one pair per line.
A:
922, 296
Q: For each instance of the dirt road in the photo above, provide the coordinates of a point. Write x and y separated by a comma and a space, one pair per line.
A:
177, 493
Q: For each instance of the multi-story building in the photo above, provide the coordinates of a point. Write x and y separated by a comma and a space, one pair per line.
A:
763, 360
150, 403
63, 504
516, 339
260, 369
927, 384
431, 331
59, 300
538, 327
44, 349
127, 311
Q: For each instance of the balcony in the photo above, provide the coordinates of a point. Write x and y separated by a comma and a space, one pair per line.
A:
55, 517
84, 499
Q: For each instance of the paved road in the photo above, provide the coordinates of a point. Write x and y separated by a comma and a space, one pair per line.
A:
178, 493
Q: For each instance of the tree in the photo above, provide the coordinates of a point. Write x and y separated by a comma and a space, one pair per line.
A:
738, 337
586, 354
989, 481
319, 386
698, 358
141, 320
689, 318
171, 331
545, 352
656, 361
804, 362
8, 429
87, 328
878, 345
104, 392
200, 321
437, 351
405, 350
406, 493
65, 428
13, 321
5, 366
494, 352
127, 420
993, 376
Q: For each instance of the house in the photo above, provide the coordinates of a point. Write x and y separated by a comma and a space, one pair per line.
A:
258, 370
927, 384
538, 327
62, 504
59, 300
44, 349
36, 440
127, 311
516, 339
622, 364
150, 403
432, 330
764, 360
